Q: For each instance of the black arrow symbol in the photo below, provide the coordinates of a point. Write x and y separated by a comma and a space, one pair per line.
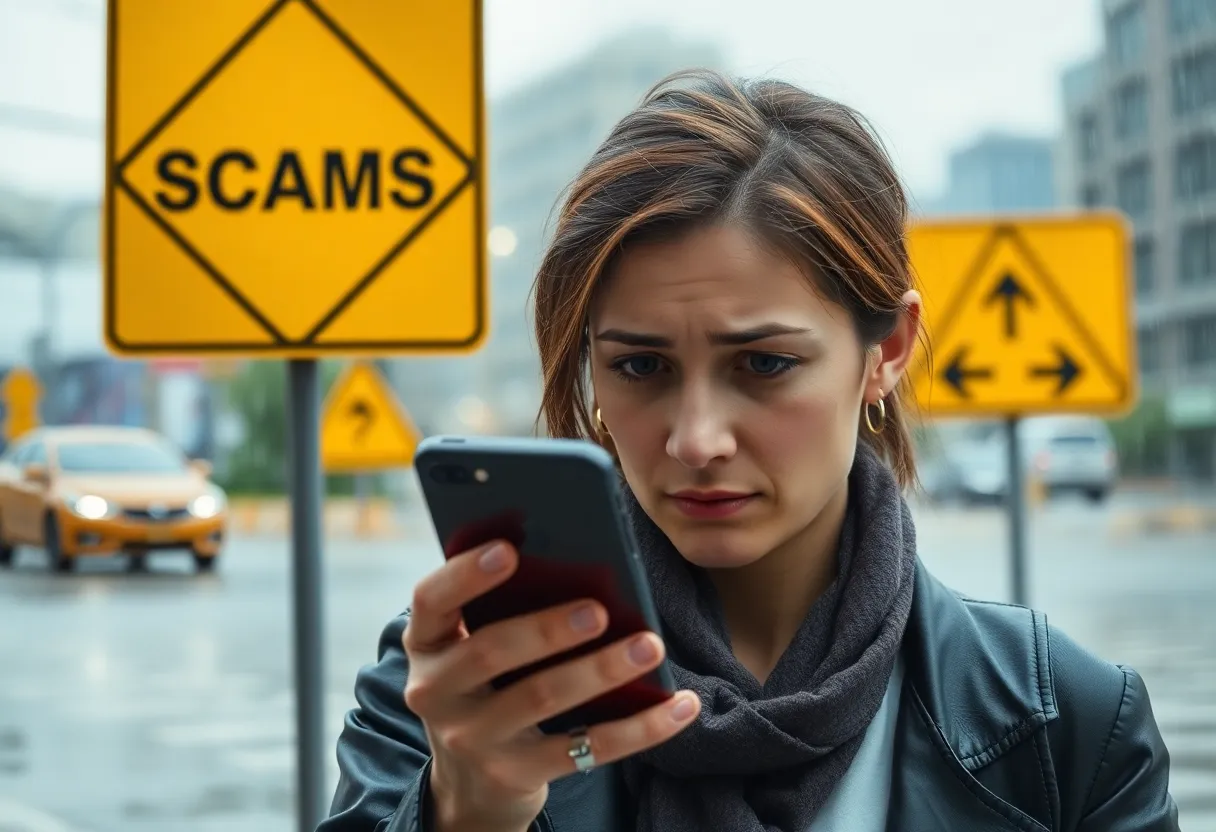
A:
1009, 291
1066, 370
956, 375
363, 411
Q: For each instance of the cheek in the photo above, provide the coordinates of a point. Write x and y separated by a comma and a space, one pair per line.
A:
805, 437
637, 435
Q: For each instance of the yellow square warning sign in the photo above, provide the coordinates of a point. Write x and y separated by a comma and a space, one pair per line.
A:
1026, 315
294, 178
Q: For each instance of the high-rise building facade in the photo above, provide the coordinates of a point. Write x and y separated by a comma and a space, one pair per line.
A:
1140, 135
998, 172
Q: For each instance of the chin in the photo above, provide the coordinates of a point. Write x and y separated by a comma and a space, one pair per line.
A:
713, 546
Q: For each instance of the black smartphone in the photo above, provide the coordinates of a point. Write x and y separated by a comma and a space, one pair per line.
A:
559, 502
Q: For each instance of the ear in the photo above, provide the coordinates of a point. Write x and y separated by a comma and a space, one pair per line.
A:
895, 351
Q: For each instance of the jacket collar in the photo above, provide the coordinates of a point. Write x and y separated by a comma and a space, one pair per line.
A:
980, 670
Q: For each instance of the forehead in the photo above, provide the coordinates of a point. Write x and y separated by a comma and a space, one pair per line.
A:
719, 273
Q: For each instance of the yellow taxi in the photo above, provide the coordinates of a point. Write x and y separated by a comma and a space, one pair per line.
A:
83, 491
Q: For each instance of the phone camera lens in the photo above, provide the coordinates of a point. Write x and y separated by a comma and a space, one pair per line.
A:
450, 474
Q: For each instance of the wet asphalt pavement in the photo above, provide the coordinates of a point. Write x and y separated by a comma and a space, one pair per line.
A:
161, 702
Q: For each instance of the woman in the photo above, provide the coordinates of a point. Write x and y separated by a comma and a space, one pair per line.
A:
727, 306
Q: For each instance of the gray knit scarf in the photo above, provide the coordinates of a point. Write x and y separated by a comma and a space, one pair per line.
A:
766, 757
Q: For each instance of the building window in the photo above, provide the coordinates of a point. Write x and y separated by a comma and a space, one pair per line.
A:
1146, 275
1091, 147
1187, 16
1197, 253
1199, 341
1127, 35
1091, 196
1194, 80
1195, 167
1133, 189
1131, 110
1148, 345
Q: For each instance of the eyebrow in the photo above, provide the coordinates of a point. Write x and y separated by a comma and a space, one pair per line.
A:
729, 339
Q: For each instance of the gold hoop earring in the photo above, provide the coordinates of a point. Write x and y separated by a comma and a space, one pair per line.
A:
599, 423
882, 414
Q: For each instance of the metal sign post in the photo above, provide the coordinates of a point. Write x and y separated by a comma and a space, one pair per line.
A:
254, 210
1031, 315
1019, 583
303, 424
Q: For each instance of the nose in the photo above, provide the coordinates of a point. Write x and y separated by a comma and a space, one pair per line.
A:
700, 433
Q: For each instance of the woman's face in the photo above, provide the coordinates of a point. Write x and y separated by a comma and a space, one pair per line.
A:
731, 390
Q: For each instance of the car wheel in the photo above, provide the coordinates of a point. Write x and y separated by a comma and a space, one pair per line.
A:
205, 563
137, 563
54, 547
1096, 495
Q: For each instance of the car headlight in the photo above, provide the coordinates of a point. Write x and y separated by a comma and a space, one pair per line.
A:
91, 507
206, 506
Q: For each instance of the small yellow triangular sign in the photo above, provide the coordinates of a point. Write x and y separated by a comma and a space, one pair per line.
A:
20, 393
363, 426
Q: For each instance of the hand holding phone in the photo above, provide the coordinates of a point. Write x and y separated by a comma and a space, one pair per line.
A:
512, 633
491, 767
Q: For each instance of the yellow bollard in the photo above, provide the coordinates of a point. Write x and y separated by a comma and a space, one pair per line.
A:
363, 518
1036, 489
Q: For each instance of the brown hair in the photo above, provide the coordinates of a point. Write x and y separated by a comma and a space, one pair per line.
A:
806, 172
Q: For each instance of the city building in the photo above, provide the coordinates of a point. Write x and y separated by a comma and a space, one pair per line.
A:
1140, 135
998, 172
541, 134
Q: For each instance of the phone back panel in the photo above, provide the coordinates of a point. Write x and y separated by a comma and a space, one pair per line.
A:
559, 503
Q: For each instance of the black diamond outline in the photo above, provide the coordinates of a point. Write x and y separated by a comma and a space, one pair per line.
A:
117, 180
1010, 232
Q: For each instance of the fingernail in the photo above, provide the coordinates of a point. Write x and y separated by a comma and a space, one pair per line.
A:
494, 559
585, 619
683, 710
643, 651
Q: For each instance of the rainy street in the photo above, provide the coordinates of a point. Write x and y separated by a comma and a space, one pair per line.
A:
161, 702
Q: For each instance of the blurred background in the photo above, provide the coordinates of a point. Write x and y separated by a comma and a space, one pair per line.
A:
140, 694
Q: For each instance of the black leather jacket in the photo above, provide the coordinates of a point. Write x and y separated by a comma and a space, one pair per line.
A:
1004, 724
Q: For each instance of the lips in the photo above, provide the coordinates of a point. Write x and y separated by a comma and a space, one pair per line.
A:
711, 505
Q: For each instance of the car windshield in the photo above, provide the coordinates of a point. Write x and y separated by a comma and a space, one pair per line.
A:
120, 458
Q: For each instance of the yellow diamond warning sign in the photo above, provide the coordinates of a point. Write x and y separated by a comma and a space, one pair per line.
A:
1025, 316
363, 427
294, 178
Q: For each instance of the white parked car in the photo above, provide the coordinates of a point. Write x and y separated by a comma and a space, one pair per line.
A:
1066, 453
1072, 453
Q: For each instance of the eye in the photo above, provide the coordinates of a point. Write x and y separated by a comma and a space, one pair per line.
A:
770, 364
637, 367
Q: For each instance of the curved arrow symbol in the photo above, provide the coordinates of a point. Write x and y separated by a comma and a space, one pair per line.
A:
1010, 292
957, 374
362, 411
1066, 370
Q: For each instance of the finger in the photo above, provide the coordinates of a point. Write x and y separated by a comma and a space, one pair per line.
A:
613, 741
436, 609
520, 641
555, 690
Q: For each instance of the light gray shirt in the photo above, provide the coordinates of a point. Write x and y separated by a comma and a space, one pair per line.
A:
859, 801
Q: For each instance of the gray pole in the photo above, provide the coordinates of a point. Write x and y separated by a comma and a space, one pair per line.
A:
50, 253
303, 418
1017, 513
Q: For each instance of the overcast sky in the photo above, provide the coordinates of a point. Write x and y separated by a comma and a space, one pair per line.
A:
930, 74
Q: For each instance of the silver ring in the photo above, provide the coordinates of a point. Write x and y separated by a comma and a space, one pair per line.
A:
580, 752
